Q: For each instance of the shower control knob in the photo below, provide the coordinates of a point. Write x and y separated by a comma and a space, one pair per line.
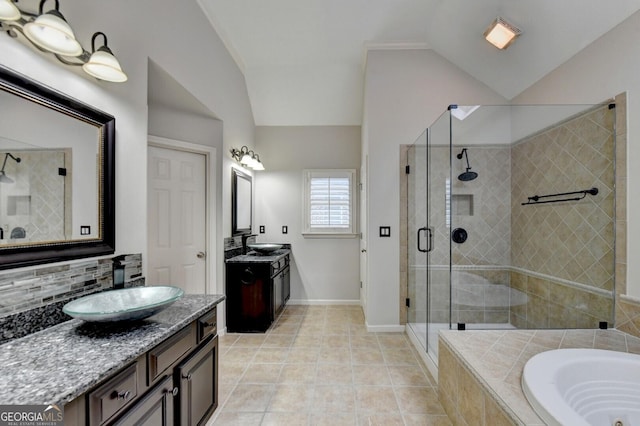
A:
459, 235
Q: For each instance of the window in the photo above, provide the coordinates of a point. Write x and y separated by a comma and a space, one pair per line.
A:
329, 202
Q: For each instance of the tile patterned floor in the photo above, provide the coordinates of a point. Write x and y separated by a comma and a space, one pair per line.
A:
318, 365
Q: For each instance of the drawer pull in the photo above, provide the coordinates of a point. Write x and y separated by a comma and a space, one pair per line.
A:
124, 395
173, 391
187, 376
208, 324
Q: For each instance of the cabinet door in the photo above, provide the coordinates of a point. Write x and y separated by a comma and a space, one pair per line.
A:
286, 285
198, 385
154, 409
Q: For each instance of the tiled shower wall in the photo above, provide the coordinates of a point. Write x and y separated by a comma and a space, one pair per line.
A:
563, 253
38, 201
482, 208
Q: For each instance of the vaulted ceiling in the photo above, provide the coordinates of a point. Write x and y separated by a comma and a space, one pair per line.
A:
303, 60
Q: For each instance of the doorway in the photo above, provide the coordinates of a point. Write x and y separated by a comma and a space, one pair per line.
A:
181, 248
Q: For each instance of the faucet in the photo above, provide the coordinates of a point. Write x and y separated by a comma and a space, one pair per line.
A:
245, 237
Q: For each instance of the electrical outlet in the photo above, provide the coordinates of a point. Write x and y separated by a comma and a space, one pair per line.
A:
385, 231
262, 231
285, 229
85, 230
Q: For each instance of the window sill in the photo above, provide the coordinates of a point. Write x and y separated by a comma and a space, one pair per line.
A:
328, 235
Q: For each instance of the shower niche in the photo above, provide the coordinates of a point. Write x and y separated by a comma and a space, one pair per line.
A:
520, 265
462, 204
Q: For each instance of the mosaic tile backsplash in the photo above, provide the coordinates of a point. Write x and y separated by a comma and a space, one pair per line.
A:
32, 299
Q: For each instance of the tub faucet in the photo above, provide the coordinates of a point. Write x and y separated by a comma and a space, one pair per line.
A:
245, 237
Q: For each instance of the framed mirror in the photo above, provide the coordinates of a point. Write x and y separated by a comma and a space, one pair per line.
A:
241, 206
57, 175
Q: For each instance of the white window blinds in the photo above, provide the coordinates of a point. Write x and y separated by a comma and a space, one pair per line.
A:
329, 201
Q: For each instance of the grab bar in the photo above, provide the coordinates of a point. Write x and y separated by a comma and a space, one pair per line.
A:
536, 198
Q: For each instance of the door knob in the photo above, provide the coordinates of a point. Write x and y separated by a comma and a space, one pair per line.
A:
201, 255
363, 251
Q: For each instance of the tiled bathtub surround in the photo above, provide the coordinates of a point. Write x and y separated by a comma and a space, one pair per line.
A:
32, 299
480, 372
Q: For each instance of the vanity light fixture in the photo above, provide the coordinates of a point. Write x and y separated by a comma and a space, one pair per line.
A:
501, 33
50, 32
247, 158
8, 11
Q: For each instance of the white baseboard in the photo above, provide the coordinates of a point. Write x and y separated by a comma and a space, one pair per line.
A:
323, 302
390, 328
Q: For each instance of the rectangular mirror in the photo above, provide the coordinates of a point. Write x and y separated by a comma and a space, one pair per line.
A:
57, 175
241, 206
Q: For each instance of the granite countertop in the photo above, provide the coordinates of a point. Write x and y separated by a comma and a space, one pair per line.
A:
56, 365
255, 257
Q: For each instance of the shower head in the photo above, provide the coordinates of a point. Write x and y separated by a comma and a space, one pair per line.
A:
3, 175
468, 174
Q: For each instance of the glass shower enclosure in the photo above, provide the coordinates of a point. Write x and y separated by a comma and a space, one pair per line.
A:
511, 220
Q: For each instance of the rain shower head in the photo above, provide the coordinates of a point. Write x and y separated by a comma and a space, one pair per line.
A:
468, 174
3, 175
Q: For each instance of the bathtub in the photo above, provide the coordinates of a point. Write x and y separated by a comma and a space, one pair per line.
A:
584, 387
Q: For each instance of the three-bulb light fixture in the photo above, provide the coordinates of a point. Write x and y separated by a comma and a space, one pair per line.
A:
247, 158
50, 32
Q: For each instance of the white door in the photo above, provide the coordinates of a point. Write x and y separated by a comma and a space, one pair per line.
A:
177, 219
364, 209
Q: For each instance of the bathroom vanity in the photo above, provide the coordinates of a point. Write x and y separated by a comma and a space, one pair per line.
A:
162, 370
258, 288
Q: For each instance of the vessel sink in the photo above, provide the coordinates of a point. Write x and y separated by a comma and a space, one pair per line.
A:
264, 248
127, 304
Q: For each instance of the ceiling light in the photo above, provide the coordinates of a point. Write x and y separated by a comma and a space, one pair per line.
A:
50, 32
102, 64
501, 33
9, 11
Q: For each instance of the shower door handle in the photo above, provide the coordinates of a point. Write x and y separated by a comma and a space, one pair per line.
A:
420, 249
430, 248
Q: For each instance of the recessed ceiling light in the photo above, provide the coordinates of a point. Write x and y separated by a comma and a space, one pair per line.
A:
501, 33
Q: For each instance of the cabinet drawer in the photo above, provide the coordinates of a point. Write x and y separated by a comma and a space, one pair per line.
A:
207, 325
113, 396
162, 357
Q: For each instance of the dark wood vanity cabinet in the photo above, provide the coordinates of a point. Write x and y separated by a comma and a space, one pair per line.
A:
174, 383
156, 408
257, 291
197, 382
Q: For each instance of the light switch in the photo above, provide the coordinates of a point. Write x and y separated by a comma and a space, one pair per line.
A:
385, 231
285, 229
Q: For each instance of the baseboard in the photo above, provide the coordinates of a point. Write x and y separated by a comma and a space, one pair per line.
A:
390, 328
323, 302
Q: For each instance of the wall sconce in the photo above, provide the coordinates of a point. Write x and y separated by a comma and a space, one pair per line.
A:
247, 158
50, 32
501, 33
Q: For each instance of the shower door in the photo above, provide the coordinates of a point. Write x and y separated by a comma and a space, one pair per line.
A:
419, 237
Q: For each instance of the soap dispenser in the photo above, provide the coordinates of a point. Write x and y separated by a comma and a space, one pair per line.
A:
118, 272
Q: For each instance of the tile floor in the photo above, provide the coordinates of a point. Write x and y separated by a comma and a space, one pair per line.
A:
318, 365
